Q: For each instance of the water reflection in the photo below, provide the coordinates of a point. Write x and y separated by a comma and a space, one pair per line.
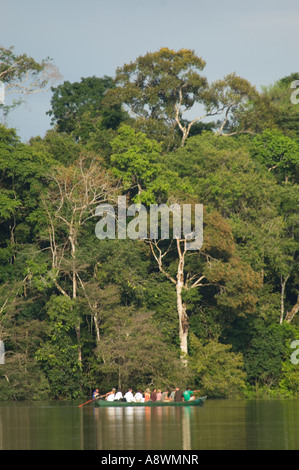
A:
186, 431
143, 428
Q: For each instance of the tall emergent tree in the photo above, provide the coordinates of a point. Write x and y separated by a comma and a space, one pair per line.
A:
161, 87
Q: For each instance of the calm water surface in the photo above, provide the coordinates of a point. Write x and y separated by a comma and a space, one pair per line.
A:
218, 425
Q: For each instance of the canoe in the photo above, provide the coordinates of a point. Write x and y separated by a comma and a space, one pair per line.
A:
197, 402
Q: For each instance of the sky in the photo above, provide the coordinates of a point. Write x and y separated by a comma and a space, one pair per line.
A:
257, 40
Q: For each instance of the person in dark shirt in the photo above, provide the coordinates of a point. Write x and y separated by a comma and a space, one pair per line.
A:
154, 395
178, 396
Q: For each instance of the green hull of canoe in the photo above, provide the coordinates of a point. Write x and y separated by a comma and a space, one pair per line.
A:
104, 403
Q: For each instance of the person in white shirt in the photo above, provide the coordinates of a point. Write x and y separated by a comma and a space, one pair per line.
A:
118, 395
111, 395
139, 397
129, 396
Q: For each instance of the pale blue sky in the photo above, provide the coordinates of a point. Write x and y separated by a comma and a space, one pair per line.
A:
258, 39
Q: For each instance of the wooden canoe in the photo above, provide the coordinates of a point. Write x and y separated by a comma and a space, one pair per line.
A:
104, 403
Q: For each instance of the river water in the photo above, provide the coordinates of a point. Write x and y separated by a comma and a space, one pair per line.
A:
217, 425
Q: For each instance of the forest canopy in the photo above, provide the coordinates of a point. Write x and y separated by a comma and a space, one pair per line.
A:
77, 312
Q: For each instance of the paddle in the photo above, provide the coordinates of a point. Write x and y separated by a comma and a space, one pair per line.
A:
93, 399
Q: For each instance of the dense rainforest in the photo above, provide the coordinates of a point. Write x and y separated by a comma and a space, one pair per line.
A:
79, 312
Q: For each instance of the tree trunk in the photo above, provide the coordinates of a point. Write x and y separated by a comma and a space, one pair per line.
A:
97, 327
185, 133
282, 294
180, 284
74, 278
181, 306
183, 323
290, 315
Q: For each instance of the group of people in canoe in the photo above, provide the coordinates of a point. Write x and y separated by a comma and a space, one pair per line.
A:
177, 395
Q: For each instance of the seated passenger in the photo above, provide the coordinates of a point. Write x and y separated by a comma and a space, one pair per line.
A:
188, 394
129, 396
165, 396
147, 394
178, 396
111, 395
139, 397
118, 396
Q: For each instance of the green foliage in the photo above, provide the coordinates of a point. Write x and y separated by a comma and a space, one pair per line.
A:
161, 86
58, 146
278, 153
218, 371
58, 355
263, 359
285, 113
150, 85
133, 351
71, 101
8, 203
136, 161
134, 158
